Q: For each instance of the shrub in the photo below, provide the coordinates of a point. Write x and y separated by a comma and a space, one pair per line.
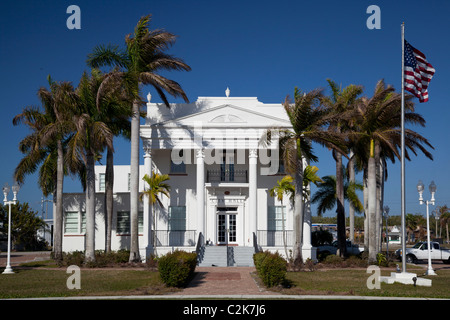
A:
333, 260
73, 258
177, 268
271, 268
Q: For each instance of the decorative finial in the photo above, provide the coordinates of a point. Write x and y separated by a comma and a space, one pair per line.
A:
149, 97
227, 92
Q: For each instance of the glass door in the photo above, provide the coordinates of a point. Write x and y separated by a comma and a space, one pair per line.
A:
226, 225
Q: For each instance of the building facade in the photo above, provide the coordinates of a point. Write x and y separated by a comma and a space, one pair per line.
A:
221, 169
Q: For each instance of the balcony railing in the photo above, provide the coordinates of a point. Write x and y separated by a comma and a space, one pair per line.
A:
227, 175
169, 238
268, 238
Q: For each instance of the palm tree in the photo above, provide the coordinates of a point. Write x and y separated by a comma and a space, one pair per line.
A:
90, 136
378, 132
309, 120
143, 56
115, 114
156, 186
283, 186
326, 195
45, 146
341, 102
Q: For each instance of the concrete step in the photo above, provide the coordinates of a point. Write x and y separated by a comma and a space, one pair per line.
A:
223, 256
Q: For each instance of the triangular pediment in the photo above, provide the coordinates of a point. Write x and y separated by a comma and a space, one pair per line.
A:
228, 116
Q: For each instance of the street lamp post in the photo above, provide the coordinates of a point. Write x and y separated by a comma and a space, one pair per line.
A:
420, 188
15, 189
386, 215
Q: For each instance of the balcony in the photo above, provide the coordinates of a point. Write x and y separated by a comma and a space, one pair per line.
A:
228, 175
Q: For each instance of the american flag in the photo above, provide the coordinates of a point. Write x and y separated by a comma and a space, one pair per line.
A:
418, 72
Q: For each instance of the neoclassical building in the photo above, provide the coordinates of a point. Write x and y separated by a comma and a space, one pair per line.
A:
221, 171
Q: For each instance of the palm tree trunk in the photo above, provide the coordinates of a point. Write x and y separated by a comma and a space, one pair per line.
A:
109, 200
372, 195
298, 207
90, 207
284, 230
58, 216
340, 211
379, 208
351, 211
366, 210
134, 184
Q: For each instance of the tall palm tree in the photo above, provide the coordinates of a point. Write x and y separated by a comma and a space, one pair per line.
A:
378, 132
115, 113
309, 120
157, 186
283, 187
45, 146
90, 136
140, 61
341, 102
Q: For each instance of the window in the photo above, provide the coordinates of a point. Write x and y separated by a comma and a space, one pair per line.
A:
101, 182
275, 218
178, 168
177, 218
123, 222
72, 222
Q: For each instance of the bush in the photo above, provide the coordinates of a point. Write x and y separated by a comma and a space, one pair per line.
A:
102, 259
73, 258
271, 268
177, 268
333, 260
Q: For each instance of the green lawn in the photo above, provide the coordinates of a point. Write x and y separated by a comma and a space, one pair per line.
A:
354, 282
51, 282
47, 280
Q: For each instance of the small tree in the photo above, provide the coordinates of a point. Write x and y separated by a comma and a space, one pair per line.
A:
156, 186
283, 186
24, 225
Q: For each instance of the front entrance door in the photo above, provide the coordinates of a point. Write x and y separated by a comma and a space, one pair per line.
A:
226, 225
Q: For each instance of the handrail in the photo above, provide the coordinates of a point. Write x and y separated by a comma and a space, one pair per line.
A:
200, 248
255, 243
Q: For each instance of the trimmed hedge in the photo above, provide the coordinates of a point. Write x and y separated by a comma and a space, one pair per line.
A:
177, 268
271, 268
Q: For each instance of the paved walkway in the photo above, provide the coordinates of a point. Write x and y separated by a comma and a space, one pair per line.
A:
221, 281
23, 257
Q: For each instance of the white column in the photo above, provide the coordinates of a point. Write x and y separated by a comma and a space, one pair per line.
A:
252, 191
200, 157
148, 219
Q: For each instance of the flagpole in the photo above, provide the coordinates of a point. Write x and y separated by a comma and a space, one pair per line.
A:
403, 155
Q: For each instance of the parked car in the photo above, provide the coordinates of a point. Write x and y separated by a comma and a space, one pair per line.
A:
332, 248
420, 252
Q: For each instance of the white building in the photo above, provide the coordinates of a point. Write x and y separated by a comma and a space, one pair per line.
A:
220, 177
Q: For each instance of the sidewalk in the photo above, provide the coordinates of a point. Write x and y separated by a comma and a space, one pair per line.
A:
210, 281
18, 257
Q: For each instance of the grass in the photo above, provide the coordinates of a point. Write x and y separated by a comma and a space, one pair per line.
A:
45, 279
354, 282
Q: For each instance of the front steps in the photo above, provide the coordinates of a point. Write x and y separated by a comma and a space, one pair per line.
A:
231, 256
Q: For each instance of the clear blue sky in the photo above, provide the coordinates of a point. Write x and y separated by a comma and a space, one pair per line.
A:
256, 48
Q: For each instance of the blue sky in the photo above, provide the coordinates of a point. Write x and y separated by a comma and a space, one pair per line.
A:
256, 48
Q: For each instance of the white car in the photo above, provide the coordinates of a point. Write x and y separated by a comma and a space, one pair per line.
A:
420, 252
